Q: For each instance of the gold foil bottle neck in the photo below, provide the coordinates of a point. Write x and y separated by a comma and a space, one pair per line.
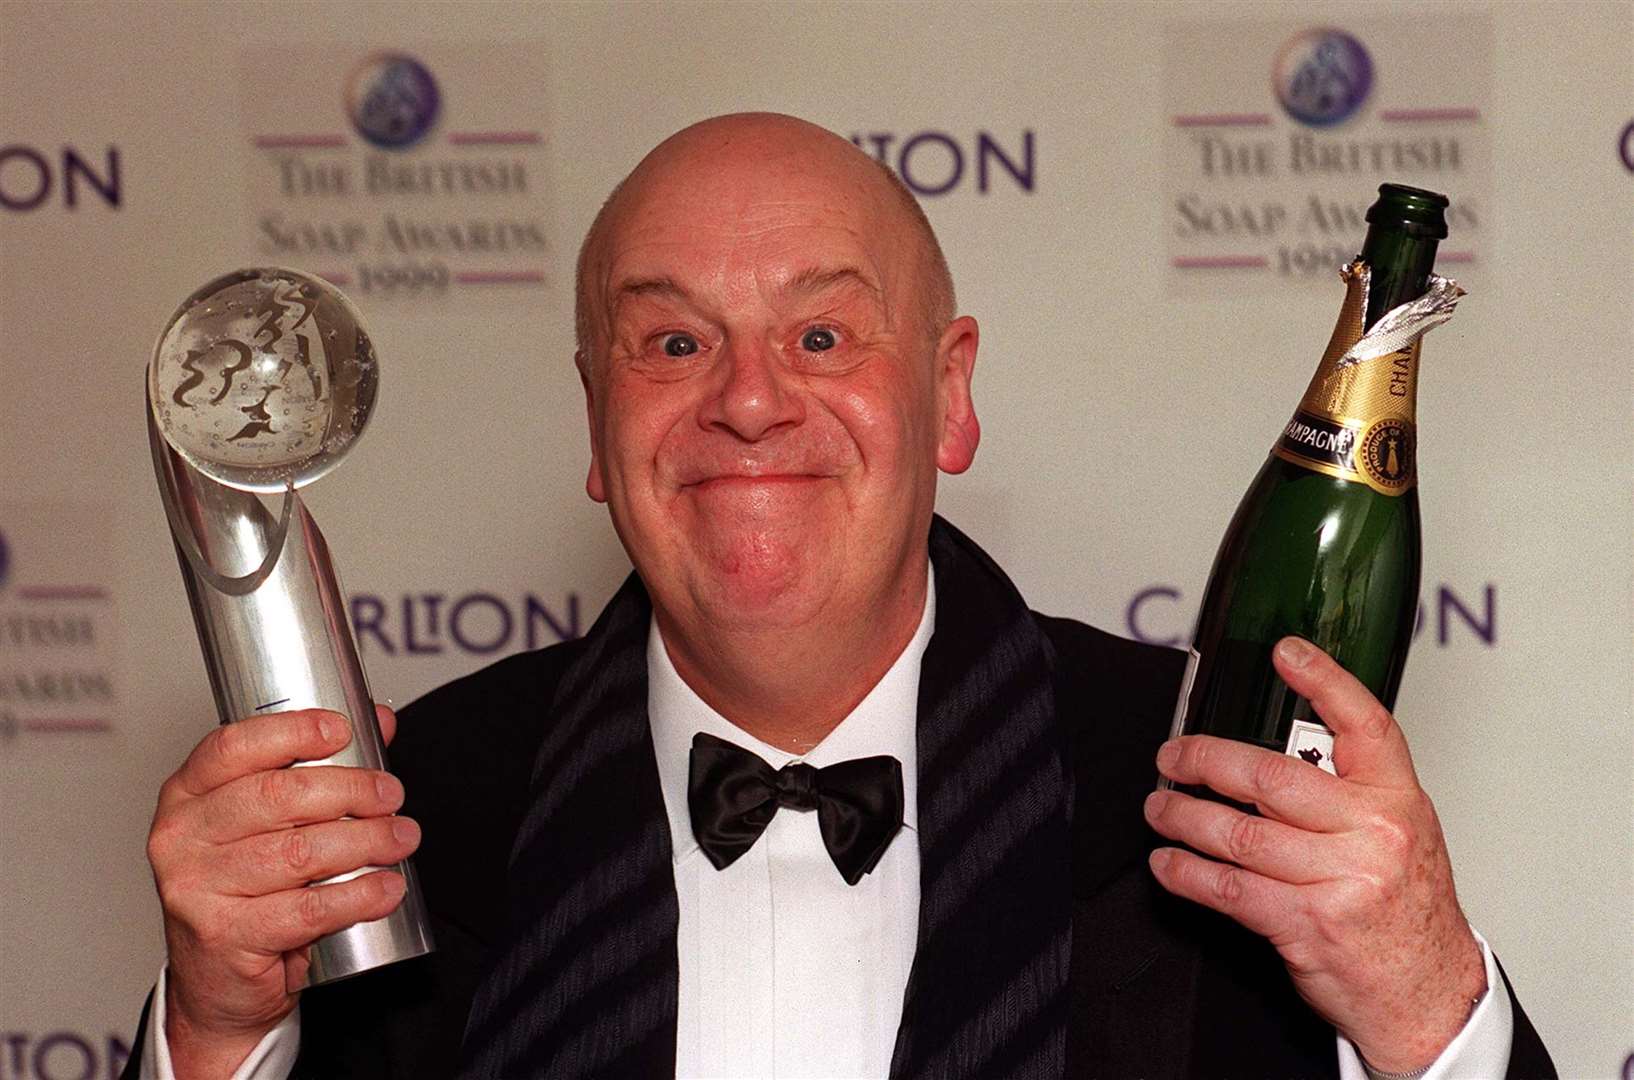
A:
1347, 331
1356, 420
1359, 394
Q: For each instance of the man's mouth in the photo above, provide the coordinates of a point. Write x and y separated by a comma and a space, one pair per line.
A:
726, 481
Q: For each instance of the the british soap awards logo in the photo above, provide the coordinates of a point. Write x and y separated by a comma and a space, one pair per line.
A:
392, 100
1322, 76
399, 174
1280, 132
58, 626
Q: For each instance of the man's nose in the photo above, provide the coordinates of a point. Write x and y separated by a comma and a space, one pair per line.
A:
755, 395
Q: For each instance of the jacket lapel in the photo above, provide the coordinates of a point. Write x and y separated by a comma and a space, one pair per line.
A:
585, 982
988, 992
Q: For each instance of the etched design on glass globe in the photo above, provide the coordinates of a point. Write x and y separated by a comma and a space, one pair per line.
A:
263, 379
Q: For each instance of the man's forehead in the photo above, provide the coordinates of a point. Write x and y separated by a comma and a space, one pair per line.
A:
786, 243
758, 202
745, 210
817, 280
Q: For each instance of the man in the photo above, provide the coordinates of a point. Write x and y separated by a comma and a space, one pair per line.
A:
774, 375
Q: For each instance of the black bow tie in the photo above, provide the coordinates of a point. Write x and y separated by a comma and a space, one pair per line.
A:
733, 794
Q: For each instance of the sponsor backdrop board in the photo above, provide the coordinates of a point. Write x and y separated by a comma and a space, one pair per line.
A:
1142, 204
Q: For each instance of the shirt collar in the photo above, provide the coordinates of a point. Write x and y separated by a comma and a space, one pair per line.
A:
882, 723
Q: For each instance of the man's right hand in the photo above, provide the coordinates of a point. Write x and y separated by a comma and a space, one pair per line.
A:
235, 840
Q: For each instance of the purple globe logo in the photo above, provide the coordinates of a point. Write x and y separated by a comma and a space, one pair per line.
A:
392, 100
1322, 76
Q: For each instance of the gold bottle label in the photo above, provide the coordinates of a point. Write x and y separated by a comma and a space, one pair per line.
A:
1355, 421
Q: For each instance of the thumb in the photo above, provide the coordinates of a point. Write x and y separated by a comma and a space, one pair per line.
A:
1368, 744
386, 717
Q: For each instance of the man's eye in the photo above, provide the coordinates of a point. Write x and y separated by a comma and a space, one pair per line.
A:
680, 345
817, 339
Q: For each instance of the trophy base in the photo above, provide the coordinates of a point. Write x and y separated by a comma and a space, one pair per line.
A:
402, 935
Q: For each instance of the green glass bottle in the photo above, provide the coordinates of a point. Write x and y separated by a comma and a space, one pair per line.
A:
1325, 544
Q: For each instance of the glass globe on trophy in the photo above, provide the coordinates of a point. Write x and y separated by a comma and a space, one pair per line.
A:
262, 381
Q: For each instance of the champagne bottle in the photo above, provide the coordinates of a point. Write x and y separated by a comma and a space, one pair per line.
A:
1325, 544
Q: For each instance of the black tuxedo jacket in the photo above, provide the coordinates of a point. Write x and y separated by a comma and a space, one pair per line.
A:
1045, 949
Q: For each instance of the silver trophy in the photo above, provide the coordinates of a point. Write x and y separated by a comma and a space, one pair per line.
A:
261, 382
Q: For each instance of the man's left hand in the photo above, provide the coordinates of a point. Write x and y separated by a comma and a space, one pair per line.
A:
1347, 876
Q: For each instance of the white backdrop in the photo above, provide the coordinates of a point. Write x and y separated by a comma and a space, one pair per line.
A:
1135, 366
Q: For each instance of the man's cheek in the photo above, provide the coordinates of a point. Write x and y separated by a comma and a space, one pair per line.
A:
848, 416
892, 445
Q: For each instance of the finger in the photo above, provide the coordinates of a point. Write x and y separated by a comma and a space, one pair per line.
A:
1255, 843
273, 862
285, 798
255, 744
1368, 744
386, 717
295, 918
1283, 787
1269, 908
297, 963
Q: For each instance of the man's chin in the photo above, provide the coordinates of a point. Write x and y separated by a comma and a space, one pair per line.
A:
760, 586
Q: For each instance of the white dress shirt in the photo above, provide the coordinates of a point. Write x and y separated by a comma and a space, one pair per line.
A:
785, 970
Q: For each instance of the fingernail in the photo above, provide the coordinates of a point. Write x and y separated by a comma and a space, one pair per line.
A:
393, 886
1168, 755
1154, 803
405, 830
390, 790
1160, 858
1295, 652
332, 727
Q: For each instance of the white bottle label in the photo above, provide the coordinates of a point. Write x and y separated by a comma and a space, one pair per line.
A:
1314, 743
1193, 658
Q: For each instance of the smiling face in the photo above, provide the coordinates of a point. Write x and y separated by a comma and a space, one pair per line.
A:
767, 408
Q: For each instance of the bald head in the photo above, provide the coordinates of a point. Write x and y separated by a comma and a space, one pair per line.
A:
770, 144
773, 381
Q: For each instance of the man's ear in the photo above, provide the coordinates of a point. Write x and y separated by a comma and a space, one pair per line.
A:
955, 361
593, 485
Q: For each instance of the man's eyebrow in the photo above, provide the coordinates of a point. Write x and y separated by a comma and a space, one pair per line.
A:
816, 279
649, 286
811, 280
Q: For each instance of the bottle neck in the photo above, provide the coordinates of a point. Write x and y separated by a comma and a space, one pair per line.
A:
1400, 264
1356, 422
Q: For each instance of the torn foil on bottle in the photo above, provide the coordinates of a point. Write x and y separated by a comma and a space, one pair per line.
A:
1401, 326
